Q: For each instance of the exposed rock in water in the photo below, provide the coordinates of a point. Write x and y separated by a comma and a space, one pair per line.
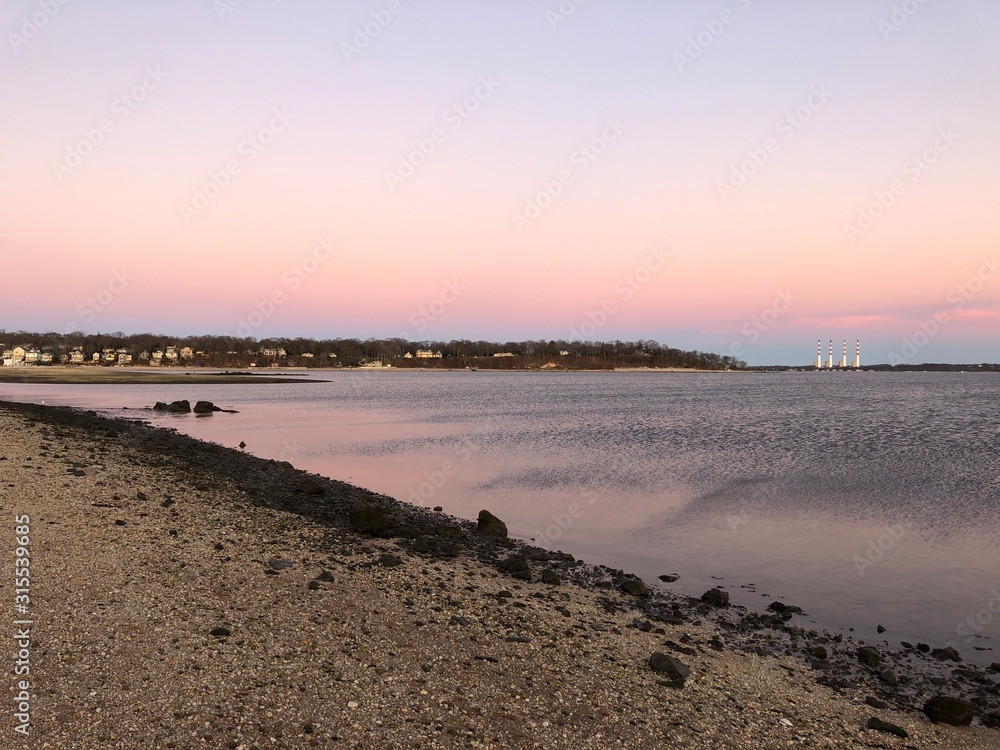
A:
205, 407
159, 406
675, 670
716, 597
942, 709
179, 407
668, 578
884, 726
880, 628
490, 524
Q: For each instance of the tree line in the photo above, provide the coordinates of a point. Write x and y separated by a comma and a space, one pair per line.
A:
230, 351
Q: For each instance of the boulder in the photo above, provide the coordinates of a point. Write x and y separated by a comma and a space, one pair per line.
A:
179, 407
635, 587
716, 597
675, 670
946, 654
943, 709
205, 407
370, 519
159, 406
668, 578
550, 577
490, 524
869, 656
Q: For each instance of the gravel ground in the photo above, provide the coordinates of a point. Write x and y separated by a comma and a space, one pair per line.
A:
188, 596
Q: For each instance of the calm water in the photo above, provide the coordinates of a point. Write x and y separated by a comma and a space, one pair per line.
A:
864, 498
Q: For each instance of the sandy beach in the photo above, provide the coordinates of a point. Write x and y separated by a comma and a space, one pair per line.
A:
185, 595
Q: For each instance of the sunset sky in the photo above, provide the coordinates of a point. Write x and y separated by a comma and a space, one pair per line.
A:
740, 176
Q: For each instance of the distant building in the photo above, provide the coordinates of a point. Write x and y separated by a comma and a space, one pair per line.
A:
428, 354
504, 354
187, 353
76, 357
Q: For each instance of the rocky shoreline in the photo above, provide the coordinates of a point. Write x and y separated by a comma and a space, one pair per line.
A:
276, 608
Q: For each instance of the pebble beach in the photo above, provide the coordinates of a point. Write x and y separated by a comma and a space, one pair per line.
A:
188, 595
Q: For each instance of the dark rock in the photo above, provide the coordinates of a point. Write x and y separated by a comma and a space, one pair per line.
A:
490, 524
159, 406
448, 550
276, 563
821, 665
668, 578
312, 585
991, 720
220, 632
311, 487
119, 522
536, 554
995, 666
907, 645
869, 656
389, 561
874, 702
946, 654
889, 677
686, 650
923, 648
513, 564
675, 670
424, 544
324, 577
242, 445
942, 709
884, 726
880, 628
460, 621
141, 496
179, 407
635, 587
370, 519
819, 652
551, 577
438, 509
716, 597
205, 407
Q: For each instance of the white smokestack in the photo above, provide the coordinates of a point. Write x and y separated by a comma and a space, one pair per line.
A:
857, 357
843, 359
829, 362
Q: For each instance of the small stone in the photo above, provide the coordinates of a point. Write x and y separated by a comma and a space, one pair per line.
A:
880, 628
874, 702
884, 726
889, 678
220, 632
119, 522
438, 509
818, 652
668, 578
352, 704
390, 561
550, 577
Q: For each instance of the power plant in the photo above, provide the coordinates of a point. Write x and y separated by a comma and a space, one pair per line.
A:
819, 365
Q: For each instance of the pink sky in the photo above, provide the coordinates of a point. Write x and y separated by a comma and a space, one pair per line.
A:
904, 127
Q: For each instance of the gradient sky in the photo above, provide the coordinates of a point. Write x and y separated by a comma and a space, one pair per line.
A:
874, 207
